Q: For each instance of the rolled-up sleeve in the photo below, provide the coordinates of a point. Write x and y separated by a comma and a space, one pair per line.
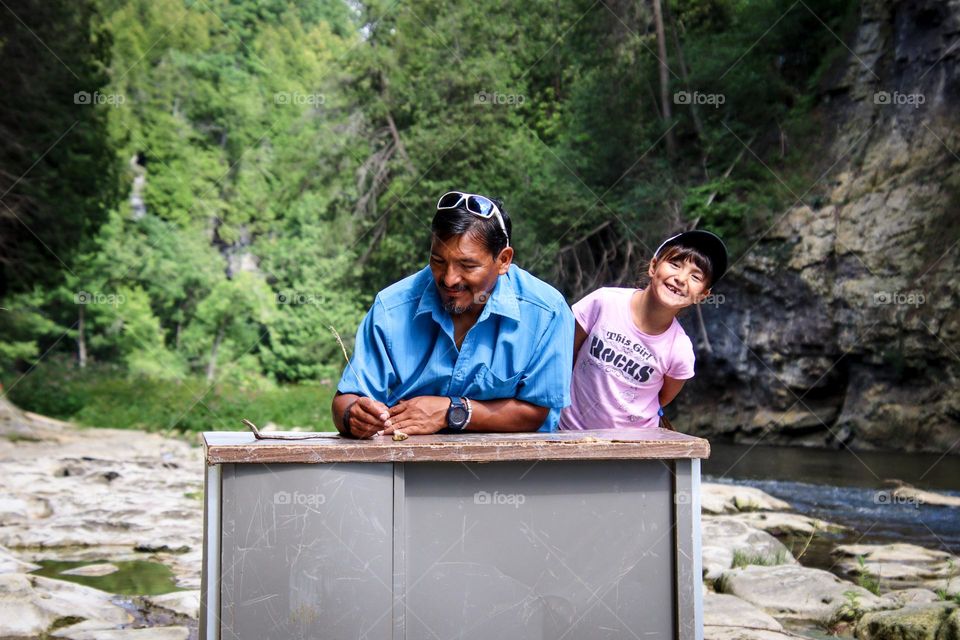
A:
370, 372
546, 381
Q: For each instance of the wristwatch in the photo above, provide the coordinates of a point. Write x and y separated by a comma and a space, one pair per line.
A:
458, 415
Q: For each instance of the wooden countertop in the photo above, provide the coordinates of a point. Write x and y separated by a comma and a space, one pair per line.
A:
227, 447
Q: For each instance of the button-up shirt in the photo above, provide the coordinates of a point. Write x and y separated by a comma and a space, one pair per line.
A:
520, 347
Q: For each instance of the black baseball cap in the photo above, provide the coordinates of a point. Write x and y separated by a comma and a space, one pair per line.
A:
709, 244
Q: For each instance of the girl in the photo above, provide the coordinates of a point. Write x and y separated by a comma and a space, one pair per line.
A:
631, 356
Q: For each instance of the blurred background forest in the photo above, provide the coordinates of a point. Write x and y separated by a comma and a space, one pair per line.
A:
196, 193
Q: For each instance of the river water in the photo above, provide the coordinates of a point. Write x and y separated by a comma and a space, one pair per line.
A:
849, 488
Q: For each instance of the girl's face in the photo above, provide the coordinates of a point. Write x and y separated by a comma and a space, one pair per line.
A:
677, 283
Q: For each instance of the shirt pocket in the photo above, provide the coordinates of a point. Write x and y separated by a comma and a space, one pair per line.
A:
487, 385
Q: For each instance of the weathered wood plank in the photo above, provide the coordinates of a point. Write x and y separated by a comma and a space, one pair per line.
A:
601, 444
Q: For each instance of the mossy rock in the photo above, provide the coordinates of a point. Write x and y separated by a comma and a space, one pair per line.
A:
922, 622
950, 628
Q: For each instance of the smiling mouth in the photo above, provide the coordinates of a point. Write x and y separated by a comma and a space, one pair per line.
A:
673, 290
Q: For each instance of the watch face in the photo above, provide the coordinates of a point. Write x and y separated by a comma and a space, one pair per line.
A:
457, 416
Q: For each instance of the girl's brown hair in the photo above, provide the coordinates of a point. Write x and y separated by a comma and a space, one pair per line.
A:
682, 254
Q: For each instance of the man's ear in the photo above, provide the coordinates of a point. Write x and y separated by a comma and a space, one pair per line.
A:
504, 260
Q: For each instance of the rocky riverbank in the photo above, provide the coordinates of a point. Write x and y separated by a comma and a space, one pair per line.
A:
758, 588
92, 505
105, 501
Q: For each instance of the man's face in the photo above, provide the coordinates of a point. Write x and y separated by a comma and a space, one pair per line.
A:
464, 271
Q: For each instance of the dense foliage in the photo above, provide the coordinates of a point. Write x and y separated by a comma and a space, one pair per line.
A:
200, 193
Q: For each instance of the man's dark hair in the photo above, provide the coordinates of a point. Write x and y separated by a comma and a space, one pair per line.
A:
448, 223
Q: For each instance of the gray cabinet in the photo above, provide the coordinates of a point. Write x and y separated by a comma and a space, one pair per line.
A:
480, 536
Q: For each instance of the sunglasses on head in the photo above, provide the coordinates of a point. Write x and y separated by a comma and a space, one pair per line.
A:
480, 206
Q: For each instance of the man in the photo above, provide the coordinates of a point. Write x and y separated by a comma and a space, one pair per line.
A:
469, 343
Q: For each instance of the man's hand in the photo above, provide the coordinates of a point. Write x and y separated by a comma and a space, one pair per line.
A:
418, 416
367, 417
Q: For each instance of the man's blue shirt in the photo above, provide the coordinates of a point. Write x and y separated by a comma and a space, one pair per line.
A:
521, 346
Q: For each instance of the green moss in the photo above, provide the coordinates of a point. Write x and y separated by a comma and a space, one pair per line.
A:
743, 558
20, 437
909, 623
59, 623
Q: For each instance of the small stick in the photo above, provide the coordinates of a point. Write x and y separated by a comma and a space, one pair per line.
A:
340, 342
259, 435
336, 335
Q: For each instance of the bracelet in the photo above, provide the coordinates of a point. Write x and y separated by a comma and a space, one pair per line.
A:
345, 422
466, 401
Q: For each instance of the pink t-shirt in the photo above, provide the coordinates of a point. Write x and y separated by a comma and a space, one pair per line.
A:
620, 369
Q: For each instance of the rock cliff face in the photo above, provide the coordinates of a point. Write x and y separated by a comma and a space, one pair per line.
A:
841, 325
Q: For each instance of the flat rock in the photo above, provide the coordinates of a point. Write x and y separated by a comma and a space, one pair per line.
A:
781, 523
29, 605
113, 489
9, 563
724, 536
920, 496
794, 592
742, 633
913, 595
914, 622
718, 498
184, 603
901, 565
727, 617
152, 633
92, 570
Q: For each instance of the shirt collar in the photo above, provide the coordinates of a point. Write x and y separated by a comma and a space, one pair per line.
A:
503, 301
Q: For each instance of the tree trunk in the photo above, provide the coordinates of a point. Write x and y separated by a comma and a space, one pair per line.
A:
81, 341
694, 109
664, 78
212, 365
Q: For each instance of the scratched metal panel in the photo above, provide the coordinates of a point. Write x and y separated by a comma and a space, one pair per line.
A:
308, 552
210, 569
555, 550
689, 563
